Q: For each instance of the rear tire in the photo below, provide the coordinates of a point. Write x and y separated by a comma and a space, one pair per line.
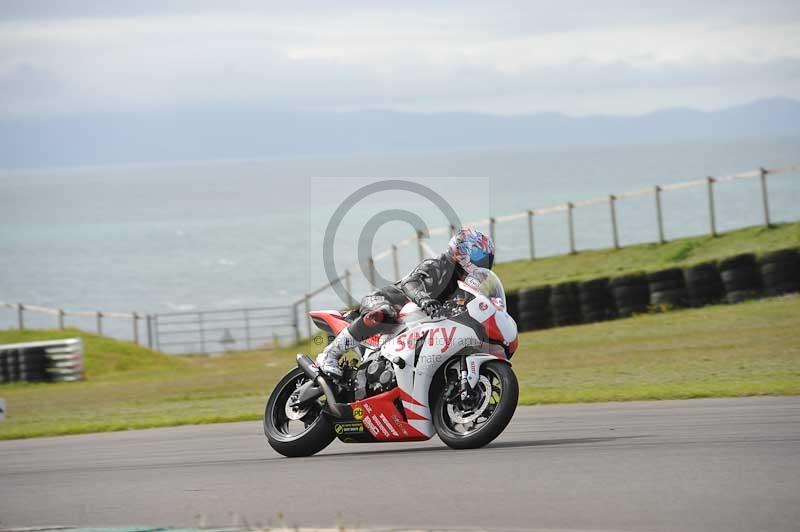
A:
495, 372
318, 431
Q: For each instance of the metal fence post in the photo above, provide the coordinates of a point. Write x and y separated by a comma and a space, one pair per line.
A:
149, 322
571, 225
712, 218
612, 203
659, 218
308, 315
492, 223
202, 332
452, 230
531, 247
348, 286
247, 328
419, 246
61, 319
156, 335
20, 318
764, 197
371, 263
135, 328
395, 262
99, 323
295, 323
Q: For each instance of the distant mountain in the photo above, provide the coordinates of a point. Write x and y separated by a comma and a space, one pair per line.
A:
202, 134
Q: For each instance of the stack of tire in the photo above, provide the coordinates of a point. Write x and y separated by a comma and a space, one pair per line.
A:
49, 361
703, 284
740, 277
667, 289
19, 365
512, 305
533, 306
631, 294
595, 300
564, 304
780, 272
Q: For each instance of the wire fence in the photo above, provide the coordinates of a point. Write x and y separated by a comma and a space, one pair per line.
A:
534, 217
200, 332
215, 331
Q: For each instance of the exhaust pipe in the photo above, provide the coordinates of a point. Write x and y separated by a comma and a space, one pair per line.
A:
310, 368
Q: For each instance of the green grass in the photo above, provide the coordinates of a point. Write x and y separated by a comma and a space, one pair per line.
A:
721, 351
646, 257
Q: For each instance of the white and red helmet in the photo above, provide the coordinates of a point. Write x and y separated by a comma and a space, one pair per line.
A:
471, 249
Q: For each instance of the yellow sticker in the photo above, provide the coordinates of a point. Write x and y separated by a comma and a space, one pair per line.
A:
358, 413
339, 429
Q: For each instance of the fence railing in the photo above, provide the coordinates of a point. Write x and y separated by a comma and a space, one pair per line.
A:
60, 318
304, 304
204, 332
215, 331
235, 329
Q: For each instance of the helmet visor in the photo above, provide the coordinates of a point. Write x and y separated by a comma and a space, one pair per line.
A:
481, 258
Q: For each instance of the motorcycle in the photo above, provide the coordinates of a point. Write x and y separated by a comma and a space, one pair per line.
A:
449, 375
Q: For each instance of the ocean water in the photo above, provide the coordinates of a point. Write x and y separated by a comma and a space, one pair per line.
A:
230, 234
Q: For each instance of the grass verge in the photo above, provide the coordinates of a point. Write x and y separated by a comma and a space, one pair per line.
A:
722, 351
646, 257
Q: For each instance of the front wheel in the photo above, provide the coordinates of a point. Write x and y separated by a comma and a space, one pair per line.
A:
483, 416
294, 431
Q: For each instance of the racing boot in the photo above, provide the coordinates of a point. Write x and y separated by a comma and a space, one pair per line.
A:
328, 360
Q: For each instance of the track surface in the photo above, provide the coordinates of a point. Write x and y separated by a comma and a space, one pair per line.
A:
722, 465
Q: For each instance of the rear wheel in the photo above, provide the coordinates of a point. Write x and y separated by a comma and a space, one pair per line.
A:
482, 417
295, 431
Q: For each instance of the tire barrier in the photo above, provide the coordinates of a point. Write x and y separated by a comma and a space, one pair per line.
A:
740, 277
595, 300
631, 294
734, 279
534, 308
512, 305
564, 304
780, 272
667, 289
703, 284
50, 361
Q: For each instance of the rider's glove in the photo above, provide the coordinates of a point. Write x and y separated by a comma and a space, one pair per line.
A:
431, 307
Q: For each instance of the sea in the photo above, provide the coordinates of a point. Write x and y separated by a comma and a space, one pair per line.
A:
231, 234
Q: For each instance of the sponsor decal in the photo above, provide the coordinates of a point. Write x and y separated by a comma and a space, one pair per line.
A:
398, 422
368, 408
371, 426
482, 305
439, 336
348, 428
377, 421
472, 368
358, 413
389, 426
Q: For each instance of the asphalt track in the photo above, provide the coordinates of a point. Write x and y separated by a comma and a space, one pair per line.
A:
726, 465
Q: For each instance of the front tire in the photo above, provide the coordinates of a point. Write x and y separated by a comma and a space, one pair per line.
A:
295, 432
471, 427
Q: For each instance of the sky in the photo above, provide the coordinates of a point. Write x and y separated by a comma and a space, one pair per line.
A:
63, 57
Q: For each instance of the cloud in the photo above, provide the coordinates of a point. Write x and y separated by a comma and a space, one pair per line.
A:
422, 56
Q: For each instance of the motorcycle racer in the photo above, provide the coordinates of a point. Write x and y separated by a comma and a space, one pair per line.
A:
428, 285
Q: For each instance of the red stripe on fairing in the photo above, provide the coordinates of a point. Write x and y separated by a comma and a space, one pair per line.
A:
512, 347
381, 413
334, 320
411, 415
492, 330
408, 399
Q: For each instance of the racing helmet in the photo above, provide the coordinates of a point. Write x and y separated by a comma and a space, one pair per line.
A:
471, 249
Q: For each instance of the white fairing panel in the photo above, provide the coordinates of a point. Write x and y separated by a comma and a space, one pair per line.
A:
439, 340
